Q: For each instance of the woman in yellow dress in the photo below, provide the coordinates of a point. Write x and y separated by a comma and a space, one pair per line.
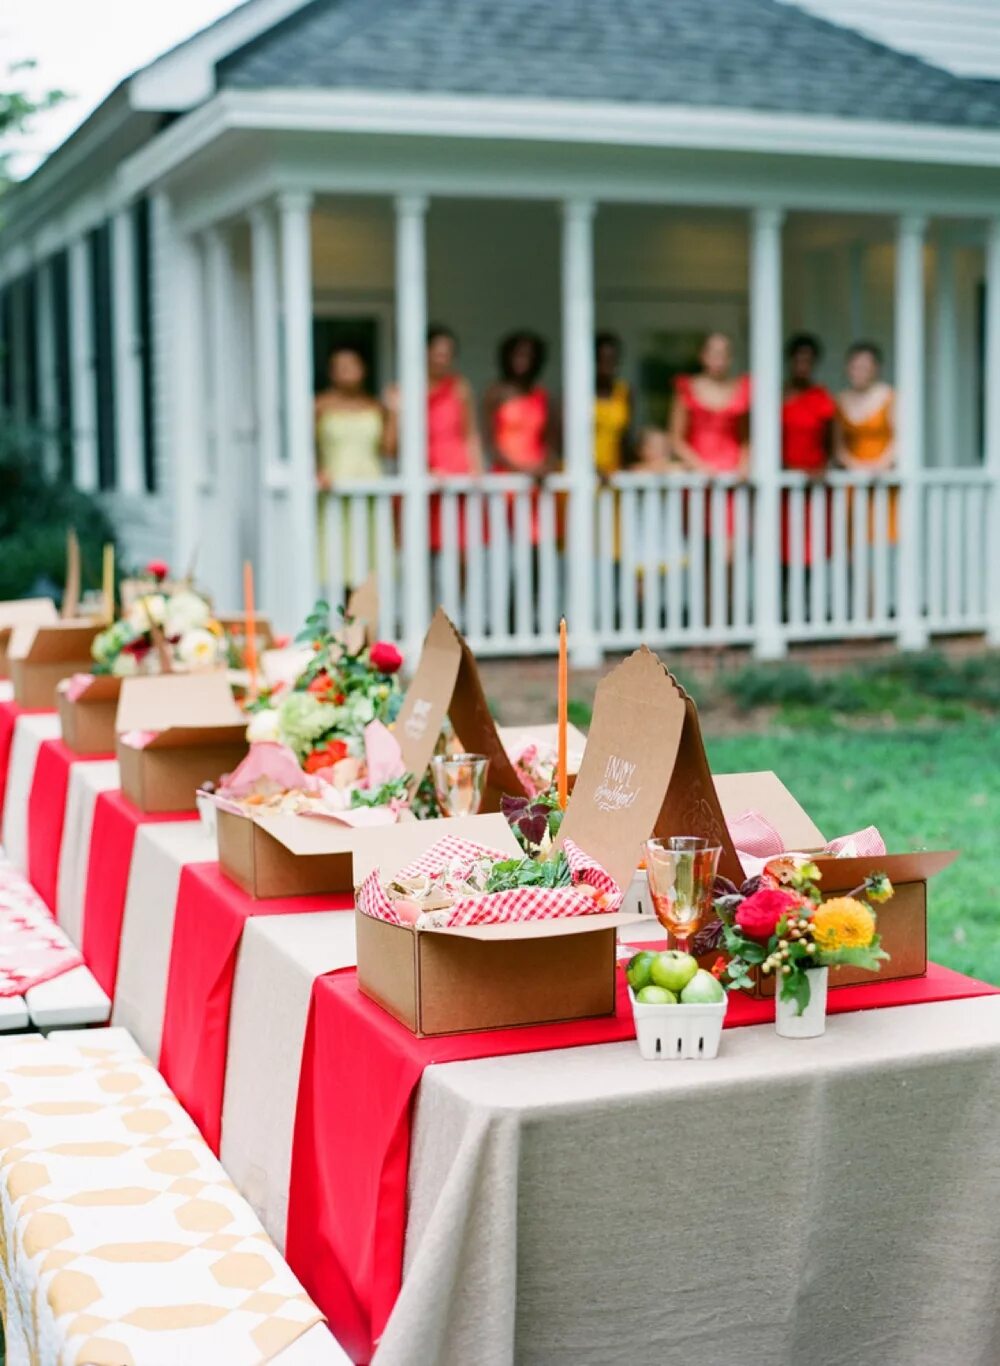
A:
865, 437
354, 433
612, 408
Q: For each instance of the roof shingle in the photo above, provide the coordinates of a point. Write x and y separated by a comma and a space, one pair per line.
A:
738, 54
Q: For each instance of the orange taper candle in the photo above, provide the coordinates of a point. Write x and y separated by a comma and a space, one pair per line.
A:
562, 777
250, 629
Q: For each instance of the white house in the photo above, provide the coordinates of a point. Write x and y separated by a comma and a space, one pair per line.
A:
660, 167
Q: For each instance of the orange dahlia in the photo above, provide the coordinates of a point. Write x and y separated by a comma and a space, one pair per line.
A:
843, 923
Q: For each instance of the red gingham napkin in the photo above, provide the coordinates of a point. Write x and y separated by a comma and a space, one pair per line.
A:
33, 949
497, 908
754, 835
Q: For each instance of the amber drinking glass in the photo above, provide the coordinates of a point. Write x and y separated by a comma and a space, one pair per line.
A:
680, 885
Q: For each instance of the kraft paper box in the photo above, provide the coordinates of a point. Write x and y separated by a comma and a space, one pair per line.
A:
276, 853
42, 656
902, 921
22, 612
193, 732
88, 720
449, 981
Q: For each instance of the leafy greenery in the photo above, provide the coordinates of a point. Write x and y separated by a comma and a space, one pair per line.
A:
35, 516
528, 872
532, 818
17, 106
927, 788
394, 791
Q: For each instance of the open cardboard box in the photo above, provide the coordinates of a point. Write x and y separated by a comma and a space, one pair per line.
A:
448, 981
902, 921
41, 656
276, 853
22, 612
88, 720
197, 733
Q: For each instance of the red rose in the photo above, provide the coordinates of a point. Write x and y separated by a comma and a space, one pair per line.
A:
326, 756
320, 684
385, 657
158, 570
759, 914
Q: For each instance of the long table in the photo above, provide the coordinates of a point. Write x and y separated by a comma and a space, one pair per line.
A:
830, 1200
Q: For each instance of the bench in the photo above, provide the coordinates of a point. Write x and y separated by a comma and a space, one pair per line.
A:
123, 1239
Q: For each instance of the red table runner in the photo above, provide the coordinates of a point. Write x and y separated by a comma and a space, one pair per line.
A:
208, 924
9, 712
112, 839
46, 814
350, 1159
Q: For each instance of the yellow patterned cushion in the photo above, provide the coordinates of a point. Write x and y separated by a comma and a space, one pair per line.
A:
123, 1242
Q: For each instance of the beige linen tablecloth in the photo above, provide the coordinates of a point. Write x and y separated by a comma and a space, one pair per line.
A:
158, 855
280, 958
29, 732
87, 779
830, 1202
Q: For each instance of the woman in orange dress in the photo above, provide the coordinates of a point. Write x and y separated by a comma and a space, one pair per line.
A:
866, 429
807, 414
453, 445
518, 414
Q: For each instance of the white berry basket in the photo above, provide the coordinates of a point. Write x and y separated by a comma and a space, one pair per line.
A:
207, 810
680, 1032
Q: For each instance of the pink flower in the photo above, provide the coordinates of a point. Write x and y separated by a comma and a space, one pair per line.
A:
385, 657
758, 916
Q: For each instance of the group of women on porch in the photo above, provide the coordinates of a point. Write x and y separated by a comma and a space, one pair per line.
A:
708, 432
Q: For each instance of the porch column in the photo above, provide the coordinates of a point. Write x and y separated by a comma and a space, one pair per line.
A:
128, 376
48, 404
909, 347
81, 327
991, 453
578, 425
411, 370
765, 368
267, 394
945, 354
299, 554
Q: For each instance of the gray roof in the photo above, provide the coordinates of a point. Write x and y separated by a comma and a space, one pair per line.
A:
738, 54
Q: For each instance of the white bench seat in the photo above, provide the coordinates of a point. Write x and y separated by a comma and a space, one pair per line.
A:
123, 1240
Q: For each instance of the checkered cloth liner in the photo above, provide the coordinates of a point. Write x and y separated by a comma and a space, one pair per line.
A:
755, 836
33, 949
498, 908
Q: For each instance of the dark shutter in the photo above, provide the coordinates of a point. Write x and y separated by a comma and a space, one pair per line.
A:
29, 302
104, 355
144, 329
64, 362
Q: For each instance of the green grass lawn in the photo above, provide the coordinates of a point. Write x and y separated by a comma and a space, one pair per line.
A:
924, 788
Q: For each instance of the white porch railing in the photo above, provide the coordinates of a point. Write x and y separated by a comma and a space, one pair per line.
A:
674, 557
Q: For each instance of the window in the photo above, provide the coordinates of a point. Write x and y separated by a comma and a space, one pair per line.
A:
63, 362
144, 333
99, 243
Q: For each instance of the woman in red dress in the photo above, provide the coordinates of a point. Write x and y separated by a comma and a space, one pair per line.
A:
518, 415
453, 445
710, 420
807, 415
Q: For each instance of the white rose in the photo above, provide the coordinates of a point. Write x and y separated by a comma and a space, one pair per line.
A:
151, 607
264, 725
198, 649
184, 611
125, 666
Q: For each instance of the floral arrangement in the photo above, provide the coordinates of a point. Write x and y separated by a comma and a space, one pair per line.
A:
161, 629
346, 685
535, 821
778, 923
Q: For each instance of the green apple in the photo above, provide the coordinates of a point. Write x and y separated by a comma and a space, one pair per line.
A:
638, 968
703, 990
655, 996
673, 969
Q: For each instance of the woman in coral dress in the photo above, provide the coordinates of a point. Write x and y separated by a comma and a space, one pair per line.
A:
453, 445
807, 414
518, 414
866, 428
710, 419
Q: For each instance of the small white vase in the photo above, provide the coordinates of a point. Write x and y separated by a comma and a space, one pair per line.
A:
812, 1022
